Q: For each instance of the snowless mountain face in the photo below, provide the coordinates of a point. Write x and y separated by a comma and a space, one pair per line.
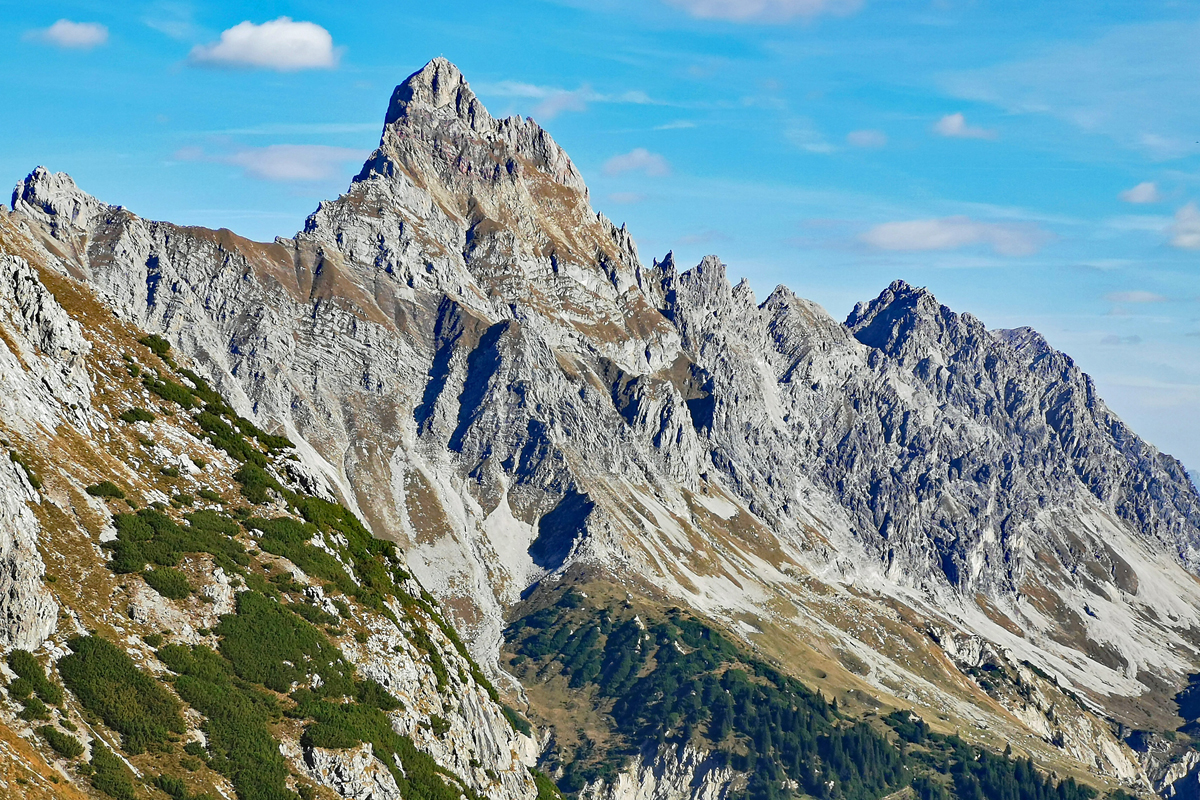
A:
905, 510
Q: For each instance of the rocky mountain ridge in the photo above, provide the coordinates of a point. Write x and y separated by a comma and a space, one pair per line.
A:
905, 510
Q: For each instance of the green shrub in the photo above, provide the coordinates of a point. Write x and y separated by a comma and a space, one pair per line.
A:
149, 536
183, 499
223, 436
62, 743
109, 773
208, 494
35, 709
23, 462
171, 471
157, 344
20, 689
153, 639
518, 723
267, 643
106, 489
27, 668
129, 701
137, 415
546, 790
237, 720
169, 390
169, 582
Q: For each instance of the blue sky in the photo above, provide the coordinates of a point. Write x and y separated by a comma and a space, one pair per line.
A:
1032, 163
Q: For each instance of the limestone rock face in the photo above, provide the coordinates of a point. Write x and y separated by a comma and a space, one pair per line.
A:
675, 773
481, 367
27, 612
354, 773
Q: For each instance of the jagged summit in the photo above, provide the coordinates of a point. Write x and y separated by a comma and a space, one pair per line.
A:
436, 123
437, 85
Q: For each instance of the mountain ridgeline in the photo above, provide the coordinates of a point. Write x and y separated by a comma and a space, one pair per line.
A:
451, 495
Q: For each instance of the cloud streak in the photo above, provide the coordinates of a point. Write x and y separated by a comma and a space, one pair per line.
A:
1145, 192
638, 160
71, 35
955, 126
283, 163
1185, 230
555, 100
764, 11
1135, 296
953, 233
282, 45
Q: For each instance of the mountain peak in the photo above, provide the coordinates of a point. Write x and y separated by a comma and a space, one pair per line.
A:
437, 85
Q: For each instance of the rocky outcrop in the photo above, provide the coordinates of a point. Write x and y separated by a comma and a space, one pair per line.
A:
355, 773
28, 613
673, 773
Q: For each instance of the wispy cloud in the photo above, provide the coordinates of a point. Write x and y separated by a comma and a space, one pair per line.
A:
71, 35
1113, 339
281, 44
1135, 296
626, 198
802, 133
770, 11
952, 233
679, 124
287, 163
1145, 192
638, 160
1185, 230
955, 126
1134, 84
869, 139
554, 100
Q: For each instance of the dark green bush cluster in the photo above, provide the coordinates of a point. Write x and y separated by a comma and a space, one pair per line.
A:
518, 723
977, 773
169, 390
268, 644
341, 725
109, 773
546, 790
23, 462
209, 495
136, 415
31, 678
157, 344
64, 744
177, 789
106, 489
150, 536
110, 685
700, 685
169, 582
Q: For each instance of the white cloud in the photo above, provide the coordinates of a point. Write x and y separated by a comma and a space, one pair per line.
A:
764, 10
1145, 192
869, 139
1185, 231
951, 233
283, 162
73, 35
1135, 296
1112, 339
638, 160
679, 124
280, 44
955, 126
